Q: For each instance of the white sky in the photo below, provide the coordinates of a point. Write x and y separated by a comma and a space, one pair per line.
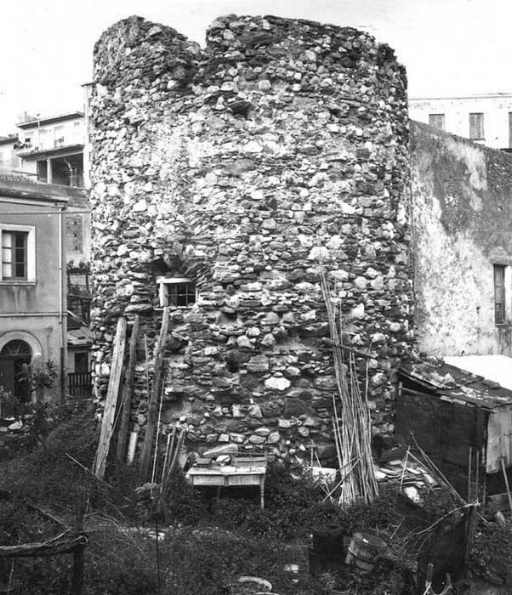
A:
449, 47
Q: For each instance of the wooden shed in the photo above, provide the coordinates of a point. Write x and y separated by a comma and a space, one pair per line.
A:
462, 421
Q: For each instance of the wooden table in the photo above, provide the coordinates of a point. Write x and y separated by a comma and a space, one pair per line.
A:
239, 474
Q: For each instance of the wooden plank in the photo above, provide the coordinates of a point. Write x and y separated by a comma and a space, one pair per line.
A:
502, 462
126, 400
107, 426
65, 543
154, 396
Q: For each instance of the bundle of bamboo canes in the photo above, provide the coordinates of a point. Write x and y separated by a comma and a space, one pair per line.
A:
351, 421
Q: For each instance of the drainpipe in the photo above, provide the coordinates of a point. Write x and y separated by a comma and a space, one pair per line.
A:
62, 321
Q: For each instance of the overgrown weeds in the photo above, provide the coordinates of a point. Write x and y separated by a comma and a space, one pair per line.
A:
202, 561
206, 542
491, 556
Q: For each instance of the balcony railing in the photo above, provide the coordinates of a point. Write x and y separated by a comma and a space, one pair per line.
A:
80, 384
27, 147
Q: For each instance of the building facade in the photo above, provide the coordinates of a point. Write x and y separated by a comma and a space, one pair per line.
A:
484, 119
462, 217
51, 149
33, 326
9, 159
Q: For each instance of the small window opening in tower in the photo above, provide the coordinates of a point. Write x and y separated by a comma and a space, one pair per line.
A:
177, 292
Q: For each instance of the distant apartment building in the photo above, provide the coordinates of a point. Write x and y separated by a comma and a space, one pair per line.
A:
9, 159
52, 149
484, 119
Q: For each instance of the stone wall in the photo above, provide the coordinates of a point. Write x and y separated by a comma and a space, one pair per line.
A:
461, 228
282, 145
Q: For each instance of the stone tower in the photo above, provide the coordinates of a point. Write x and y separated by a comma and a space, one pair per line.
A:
222, 179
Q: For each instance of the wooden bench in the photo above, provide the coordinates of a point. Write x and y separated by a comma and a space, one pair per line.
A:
243, 470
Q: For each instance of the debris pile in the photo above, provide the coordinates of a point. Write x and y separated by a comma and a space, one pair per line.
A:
406, 474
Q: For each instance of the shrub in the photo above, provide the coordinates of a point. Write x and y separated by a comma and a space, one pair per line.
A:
491, 554
48, 475
207, 561
184, 504
288, 501
203, 561
51, 575
120, 562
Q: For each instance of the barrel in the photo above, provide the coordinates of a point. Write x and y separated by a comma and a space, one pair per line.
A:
364, 550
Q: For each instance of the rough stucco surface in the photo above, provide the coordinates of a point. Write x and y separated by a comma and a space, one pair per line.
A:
282, 144
461, 227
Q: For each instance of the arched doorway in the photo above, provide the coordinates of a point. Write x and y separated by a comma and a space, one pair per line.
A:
14, 358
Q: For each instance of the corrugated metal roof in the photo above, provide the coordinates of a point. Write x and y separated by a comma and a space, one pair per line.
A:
454, 384
493, 367
7, 175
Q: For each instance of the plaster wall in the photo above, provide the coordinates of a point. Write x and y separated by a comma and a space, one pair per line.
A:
42, 333
41, 294
28, 167
33, 310
461, 224
8, 158
456, 110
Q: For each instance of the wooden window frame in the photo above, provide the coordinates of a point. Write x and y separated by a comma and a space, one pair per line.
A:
500, 293
177, 292
476, 126
435, 119
24, 255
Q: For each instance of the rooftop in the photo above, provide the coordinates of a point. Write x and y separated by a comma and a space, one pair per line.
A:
458, 385
35, 122
503, 95
497, 368
7, 175
16, 185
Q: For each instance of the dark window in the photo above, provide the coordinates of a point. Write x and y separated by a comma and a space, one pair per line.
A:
476, 126
181, 294
436, 120
81, 363
14, 254
499, 293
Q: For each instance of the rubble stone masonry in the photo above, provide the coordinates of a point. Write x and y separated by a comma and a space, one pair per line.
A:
280, 148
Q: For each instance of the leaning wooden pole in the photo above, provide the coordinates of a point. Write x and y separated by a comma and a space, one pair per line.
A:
78, 554
126, 401
107, 426
147, 445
